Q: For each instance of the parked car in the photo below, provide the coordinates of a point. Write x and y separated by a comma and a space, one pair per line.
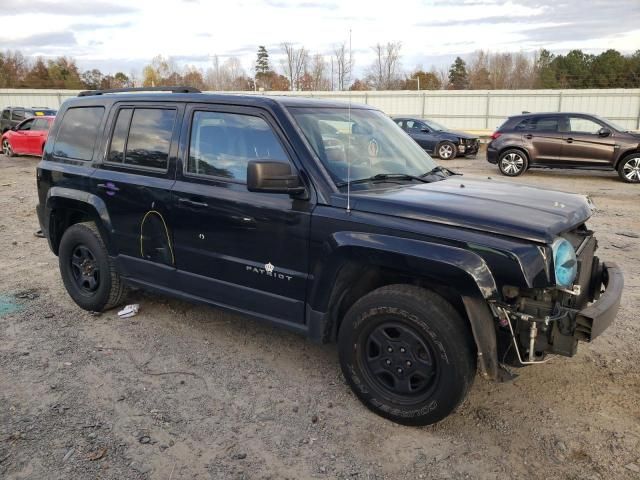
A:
12, 116
437, 139
27, 138
564, 140
328, 220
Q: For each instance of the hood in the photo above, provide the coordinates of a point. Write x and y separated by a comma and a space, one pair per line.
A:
498, 207
459, 134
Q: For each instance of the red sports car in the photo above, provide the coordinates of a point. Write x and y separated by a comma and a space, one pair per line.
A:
28, 137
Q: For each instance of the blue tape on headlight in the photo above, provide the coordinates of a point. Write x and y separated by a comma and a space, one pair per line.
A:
565, 262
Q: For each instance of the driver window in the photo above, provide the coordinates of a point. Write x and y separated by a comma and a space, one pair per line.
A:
584, 125
222, 144
26, 125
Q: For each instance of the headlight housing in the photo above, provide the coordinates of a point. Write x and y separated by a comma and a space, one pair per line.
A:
565, 263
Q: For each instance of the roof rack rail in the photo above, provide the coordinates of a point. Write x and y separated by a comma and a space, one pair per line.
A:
89, 93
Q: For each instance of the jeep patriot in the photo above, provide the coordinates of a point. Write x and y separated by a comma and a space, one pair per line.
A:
324, 218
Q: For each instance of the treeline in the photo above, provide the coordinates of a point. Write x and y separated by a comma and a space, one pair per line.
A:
296, 68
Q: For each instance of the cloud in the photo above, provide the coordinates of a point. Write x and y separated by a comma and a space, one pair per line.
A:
75, 7
82, 27
307, 4
53, 39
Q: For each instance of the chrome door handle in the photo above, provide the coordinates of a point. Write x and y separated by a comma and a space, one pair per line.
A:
192, 203
107, 186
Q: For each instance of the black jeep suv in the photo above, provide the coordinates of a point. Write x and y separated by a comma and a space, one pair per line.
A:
564, 140
328, 220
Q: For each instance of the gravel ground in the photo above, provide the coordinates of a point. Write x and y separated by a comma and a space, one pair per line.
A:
188, 392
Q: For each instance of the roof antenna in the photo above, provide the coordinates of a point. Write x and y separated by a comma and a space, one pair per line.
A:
349, 136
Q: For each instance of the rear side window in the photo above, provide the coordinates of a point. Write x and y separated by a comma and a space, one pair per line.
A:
78, 132
142, 137
222, 144
5, 114
539, 124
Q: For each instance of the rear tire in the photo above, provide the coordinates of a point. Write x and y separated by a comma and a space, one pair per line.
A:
446, 151
88, 272
629, 168
407, 354
513, 162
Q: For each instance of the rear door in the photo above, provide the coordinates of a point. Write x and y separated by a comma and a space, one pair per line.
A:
584, 146
17, 115
543, 138
241, 249
134, 180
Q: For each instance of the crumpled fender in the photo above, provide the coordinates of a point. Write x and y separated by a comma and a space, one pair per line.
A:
460, 269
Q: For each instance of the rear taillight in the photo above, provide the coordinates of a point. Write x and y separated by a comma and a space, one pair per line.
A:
495, 135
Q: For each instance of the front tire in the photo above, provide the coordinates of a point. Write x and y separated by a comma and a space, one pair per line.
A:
629, 168
7, 150
88, 272
446, 151
513, 163
407, 354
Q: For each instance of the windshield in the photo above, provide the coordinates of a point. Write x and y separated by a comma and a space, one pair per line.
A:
367, 139
434, 125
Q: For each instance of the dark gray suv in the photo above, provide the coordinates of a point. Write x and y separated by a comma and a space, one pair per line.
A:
564, 140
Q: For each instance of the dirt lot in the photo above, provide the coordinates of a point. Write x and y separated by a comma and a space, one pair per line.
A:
188, 392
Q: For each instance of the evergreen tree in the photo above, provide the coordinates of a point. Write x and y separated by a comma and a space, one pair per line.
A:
458, 76
262, 62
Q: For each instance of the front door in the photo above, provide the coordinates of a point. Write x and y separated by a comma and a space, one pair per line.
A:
134, 181
20, 140
584, 146
37, 136
240, 249
422, 134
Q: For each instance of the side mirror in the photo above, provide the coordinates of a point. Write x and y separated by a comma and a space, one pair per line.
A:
269, 176
604, 132
14, 128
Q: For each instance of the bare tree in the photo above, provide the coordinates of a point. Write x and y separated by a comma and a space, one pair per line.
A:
342, 62
384, 73
225, 76
523, 73
318, 73
479, 78
294, 64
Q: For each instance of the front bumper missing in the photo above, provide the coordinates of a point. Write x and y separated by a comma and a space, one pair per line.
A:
594, 319
559, 333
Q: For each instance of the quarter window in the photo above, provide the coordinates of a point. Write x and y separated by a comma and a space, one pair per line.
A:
78, 132
142, 137
584, 125
222, 144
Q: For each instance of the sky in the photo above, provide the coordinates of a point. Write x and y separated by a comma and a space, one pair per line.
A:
117, 35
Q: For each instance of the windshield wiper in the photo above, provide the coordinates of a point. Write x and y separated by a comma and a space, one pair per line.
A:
382, 177
439, 169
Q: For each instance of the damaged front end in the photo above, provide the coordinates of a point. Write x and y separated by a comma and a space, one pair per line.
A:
584, 301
